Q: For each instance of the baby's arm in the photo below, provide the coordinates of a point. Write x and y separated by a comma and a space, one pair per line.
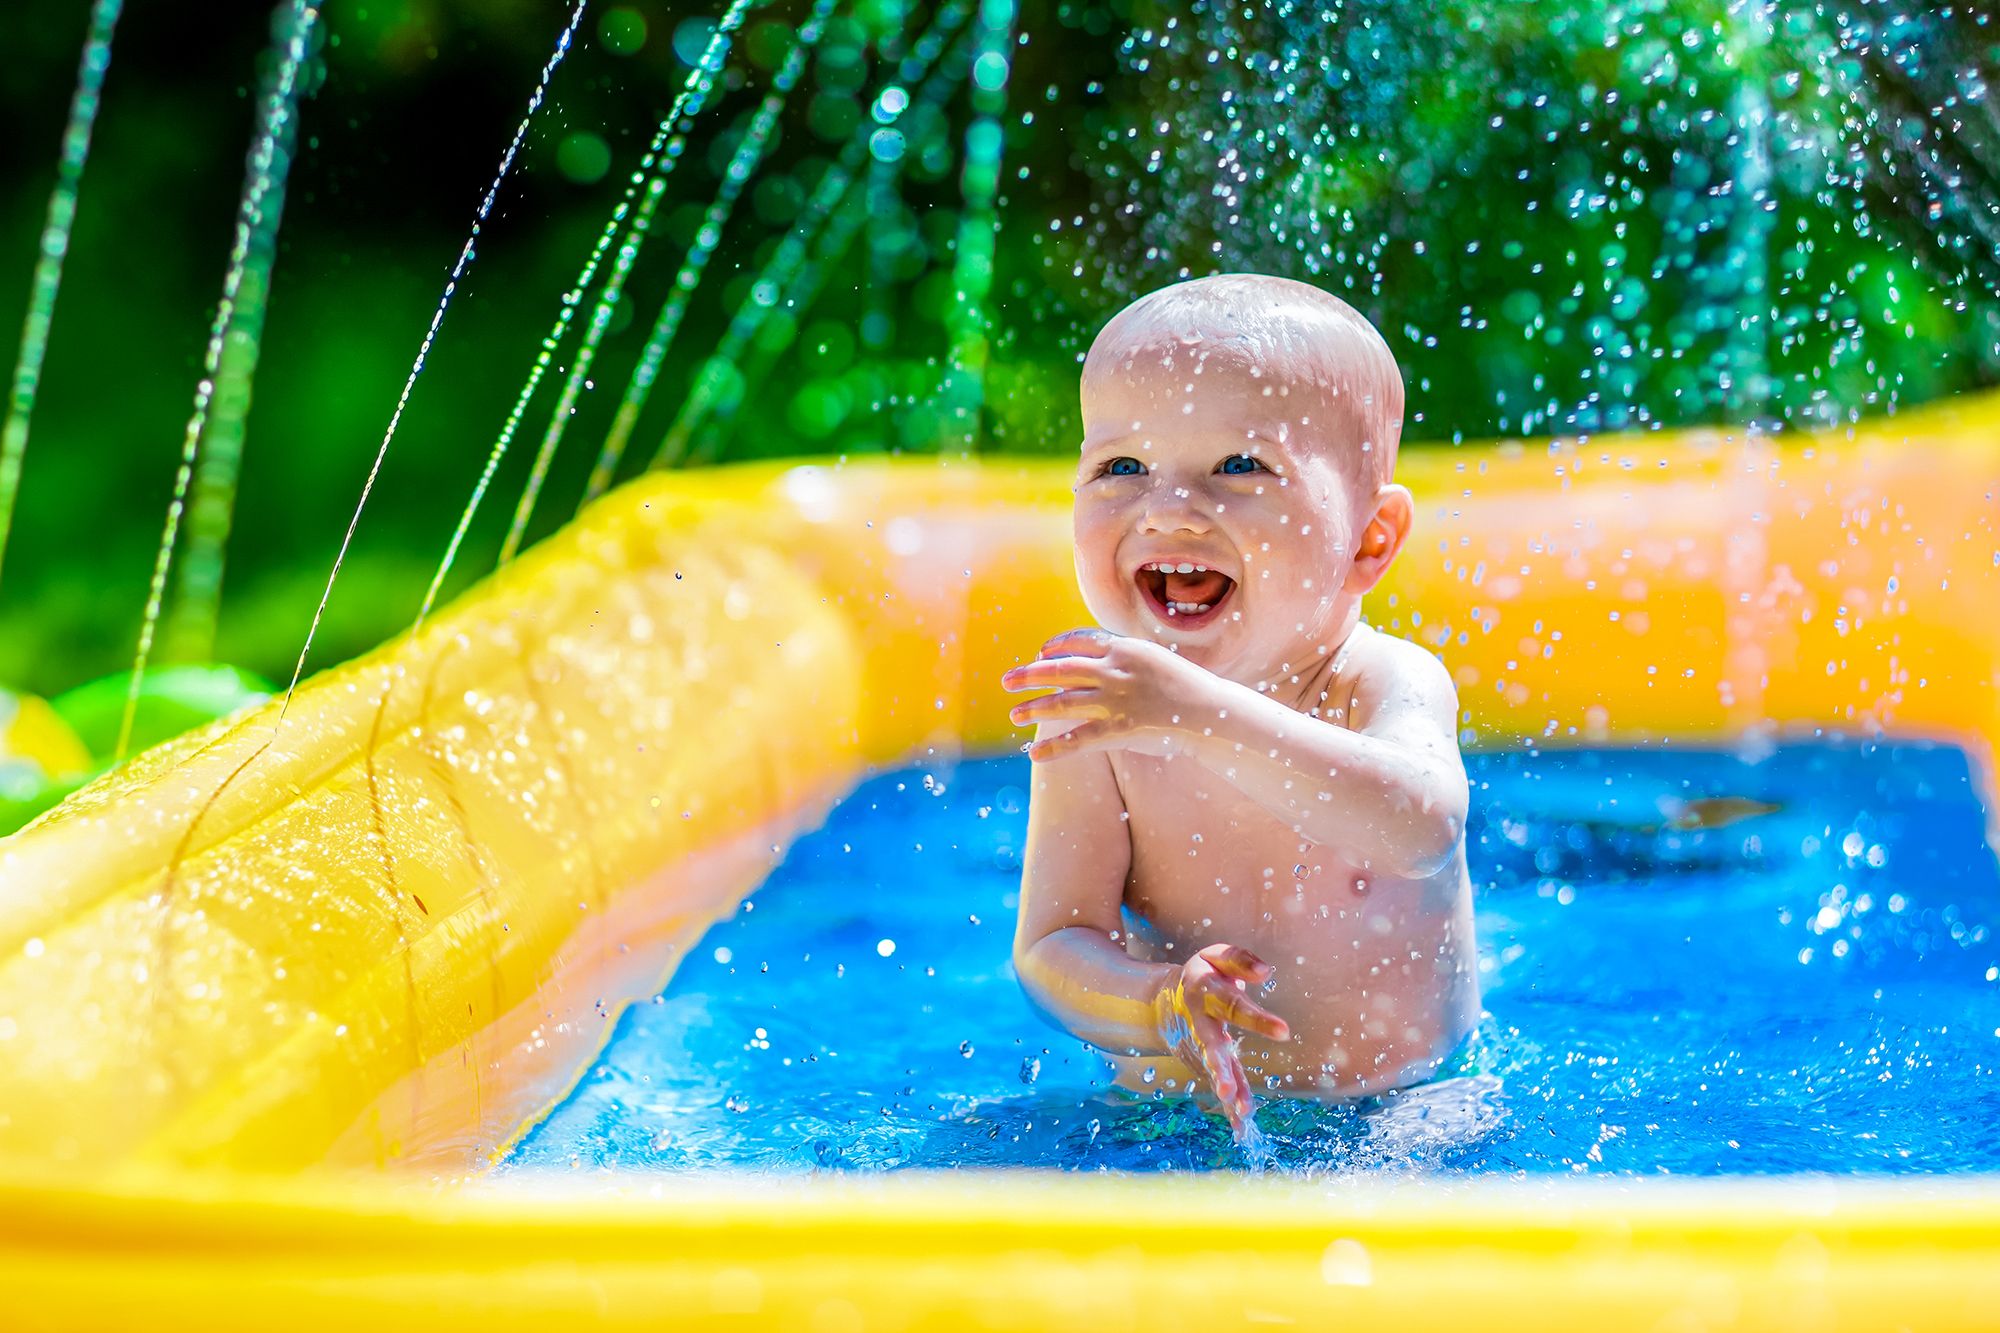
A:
1389, 790
1066, 941
1067, 949
1391, 793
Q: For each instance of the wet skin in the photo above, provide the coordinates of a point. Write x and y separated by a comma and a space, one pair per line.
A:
1245, 851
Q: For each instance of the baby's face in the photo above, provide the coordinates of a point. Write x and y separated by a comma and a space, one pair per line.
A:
1235, 476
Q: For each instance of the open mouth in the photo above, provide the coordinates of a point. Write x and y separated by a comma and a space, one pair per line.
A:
1184, 595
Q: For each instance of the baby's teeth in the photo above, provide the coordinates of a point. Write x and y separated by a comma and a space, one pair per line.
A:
1184, 569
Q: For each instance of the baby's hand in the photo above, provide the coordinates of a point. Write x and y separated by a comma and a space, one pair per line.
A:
1126, 693
1197, 1009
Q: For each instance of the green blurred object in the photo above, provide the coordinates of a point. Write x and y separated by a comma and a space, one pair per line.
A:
20, 803
41, 759
172, 700
584, 158
622, 30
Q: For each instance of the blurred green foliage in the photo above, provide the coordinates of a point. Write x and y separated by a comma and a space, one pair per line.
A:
86, 722
1579, 216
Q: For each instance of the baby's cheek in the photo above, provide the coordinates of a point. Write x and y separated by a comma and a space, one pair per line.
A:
1102, 592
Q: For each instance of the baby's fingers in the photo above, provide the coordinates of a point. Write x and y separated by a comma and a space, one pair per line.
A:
1234, 961
1225, 1075
1056, 707
1079, 643
1218, 1059
1232, 1006
1052, 673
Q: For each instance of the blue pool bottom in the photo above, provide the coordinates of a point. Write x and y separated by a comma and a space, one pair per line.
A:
1693, 963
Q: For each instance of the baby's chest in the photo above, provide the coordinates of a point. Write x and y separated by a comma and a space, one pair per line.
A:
1197, 839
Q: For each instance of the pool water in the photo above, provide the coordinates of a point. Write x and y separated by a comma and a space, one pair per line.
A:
1694, 963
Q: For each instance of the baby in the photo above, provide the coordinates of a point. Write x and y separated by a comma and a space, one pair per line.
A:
1245, 863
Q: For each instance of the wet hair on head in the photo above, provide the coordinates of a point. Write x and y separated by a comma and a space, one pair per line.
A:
1290, 331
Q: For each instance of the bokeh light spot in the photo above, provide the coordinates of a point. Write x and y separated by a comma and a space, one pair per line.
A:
622, 31
691, 40
583, 158
990, 71
890, 104
886, 145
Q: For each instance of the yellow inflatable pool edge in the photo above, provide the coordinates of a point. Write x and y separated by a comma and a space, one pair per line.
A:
240, 949
1007, 1251
385, 934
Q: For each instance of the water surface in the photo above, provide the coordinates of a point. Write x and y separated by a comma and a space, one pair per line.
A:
1694, 964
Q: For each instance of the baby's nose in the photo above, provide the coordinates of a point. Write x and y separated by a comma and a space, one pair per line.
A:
1175, 510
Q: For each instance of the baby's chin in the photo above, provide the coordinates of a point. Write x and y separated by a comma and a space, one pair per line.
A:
1215, 647
1241, 649
1228, 645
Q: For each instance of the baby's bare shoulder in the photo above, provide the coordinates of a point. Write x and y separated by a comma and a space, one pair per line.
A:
1395, 679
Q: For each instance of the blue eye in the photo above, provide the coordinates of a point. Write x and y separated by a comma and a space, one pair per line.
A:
1239, 465
1123, 467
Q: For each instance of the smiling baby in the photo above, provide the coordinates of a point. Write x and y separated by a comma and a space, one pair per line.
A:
1245, 866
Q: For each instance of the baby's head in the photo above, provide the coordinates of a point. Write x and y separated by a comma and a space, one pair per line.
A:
1248, 425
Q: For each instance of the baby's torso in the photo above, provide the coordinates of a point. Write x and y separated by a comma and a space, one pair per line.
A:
1375, 974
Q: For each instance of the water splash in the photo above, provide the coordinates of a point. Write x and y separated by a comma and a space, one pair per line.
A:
1598, 217
458, 269
741, 167
91, 68
668, 144
789, 280
239, 316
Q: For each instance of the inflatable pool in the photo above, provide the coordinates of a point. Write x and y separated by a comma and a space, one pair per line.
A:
276, 995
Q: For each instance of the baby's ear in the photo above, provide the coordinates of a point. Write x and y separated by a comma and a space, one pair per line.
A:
1381, 537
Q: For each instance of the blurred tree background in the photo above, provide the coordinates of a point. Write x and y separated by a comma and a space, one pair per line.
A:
1590, 215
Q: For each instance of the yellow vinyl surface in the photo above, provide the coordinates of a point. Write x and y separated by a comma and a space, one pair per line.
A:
274, 995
